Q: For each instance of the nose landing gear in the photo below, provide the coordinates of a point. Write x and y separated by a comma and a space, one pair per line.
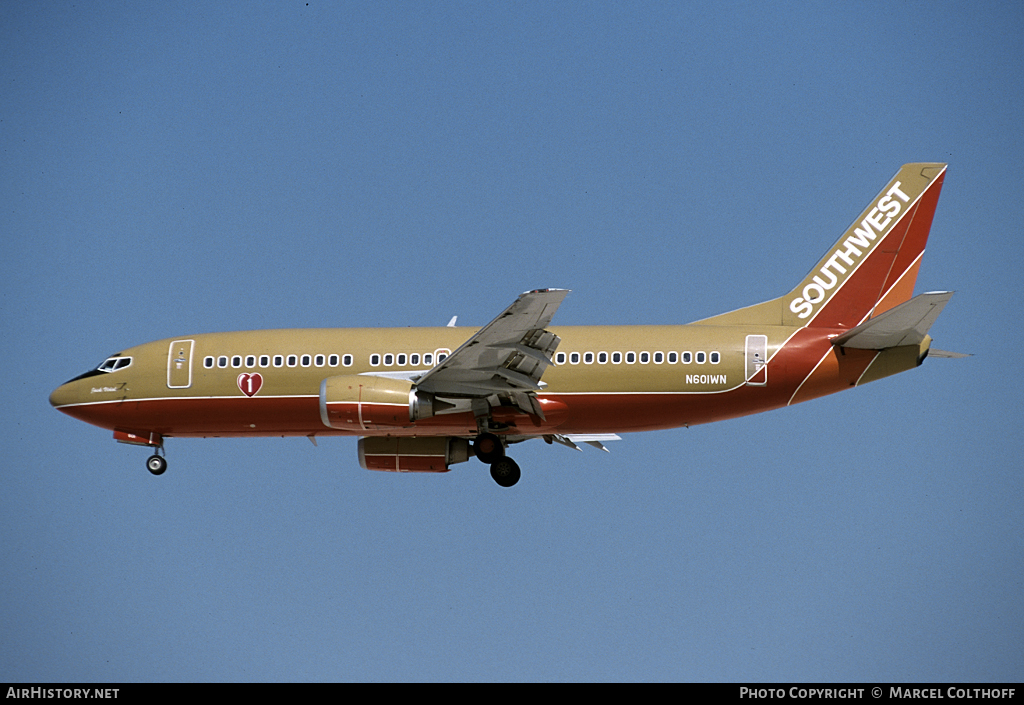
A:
156, 464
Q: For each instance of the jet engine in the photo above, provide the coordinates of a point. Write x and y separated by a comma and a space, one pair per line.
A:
401, 454
364, 402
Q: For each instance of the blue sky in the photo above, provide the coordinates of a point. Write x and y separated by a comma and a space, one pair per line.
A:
177, 168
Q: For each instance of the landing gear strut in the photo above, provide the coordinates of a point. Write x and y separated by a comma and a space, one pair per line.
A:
157, 463
489, 449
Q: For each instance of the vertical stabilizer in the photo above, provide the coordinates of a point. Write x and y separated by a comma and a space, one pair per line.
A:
874, 265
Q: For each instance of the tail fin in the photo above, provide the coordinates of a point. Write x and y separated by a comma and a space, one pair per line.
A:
873, 266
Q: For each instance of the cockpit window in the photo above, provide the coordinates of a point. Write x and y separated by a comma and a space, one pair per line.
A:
113, 364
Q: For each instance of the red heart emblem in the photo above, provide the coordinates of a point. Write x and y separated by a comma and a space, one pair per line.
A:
250, 383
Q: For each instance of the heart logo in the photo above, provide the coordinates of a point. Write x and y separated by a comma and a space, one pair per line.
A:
250, 383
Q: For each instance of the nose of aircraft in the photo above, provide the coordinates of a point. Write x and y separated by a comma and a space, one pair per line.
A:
63, 395
73, 398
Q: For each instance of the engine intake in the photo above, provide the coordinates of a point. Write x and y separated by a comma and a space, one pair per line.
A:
365, 402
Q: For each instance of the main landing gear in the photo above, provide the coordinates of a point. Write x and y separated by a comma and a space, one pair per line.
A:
505, 472
489, 449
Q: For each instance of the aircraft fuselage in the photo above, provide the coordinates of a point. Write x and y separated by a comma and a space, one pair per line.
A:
606, 379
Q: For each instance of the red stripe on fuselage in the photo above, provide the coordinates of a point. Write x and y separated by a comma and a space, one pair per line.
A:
597, 412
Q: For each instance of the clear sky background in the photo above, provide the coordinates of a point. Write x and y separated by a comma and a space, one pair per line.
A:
177, 168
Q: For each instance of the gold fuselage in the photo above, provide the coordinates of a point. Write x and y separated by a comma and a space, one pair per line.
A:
665, 377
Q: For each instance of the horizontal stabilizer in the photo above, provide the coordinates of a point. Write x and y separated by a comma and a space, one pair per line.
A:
946, 353
906, 324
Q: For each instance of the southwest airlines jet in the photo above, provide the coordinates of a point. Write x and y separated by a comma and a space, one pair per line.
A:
422, 399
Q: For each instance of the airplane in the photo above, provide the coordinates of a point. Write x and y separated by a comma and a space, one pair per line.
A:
423, 399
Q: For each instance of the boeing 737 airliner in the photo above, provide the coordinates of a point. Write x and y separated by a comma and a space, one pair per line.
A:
422, 399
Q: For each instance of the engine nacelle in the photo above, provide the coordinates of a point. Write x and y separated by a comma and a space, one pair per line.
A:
365, 402
362, 402
401, 454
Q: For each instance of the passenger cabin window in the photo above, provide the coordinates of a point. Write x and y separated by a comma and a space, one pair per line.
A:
264, 360
278, 360
222, 361
616, 358
319, 361
560, 358
389, 359
588, 358
673, 357
700, 358
400, 361
645, 357
236, 361
602, 357
630, 358
574, 358
414, 359
715, 358
687, 358
659, 358
428, 358
346, 361
293, 360
374, 360
250, 361
306, 360
208, 362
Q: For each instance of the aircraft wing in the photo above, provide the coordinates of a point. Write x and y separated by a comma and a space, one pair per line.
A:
906, 324
591, 439
508, 355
